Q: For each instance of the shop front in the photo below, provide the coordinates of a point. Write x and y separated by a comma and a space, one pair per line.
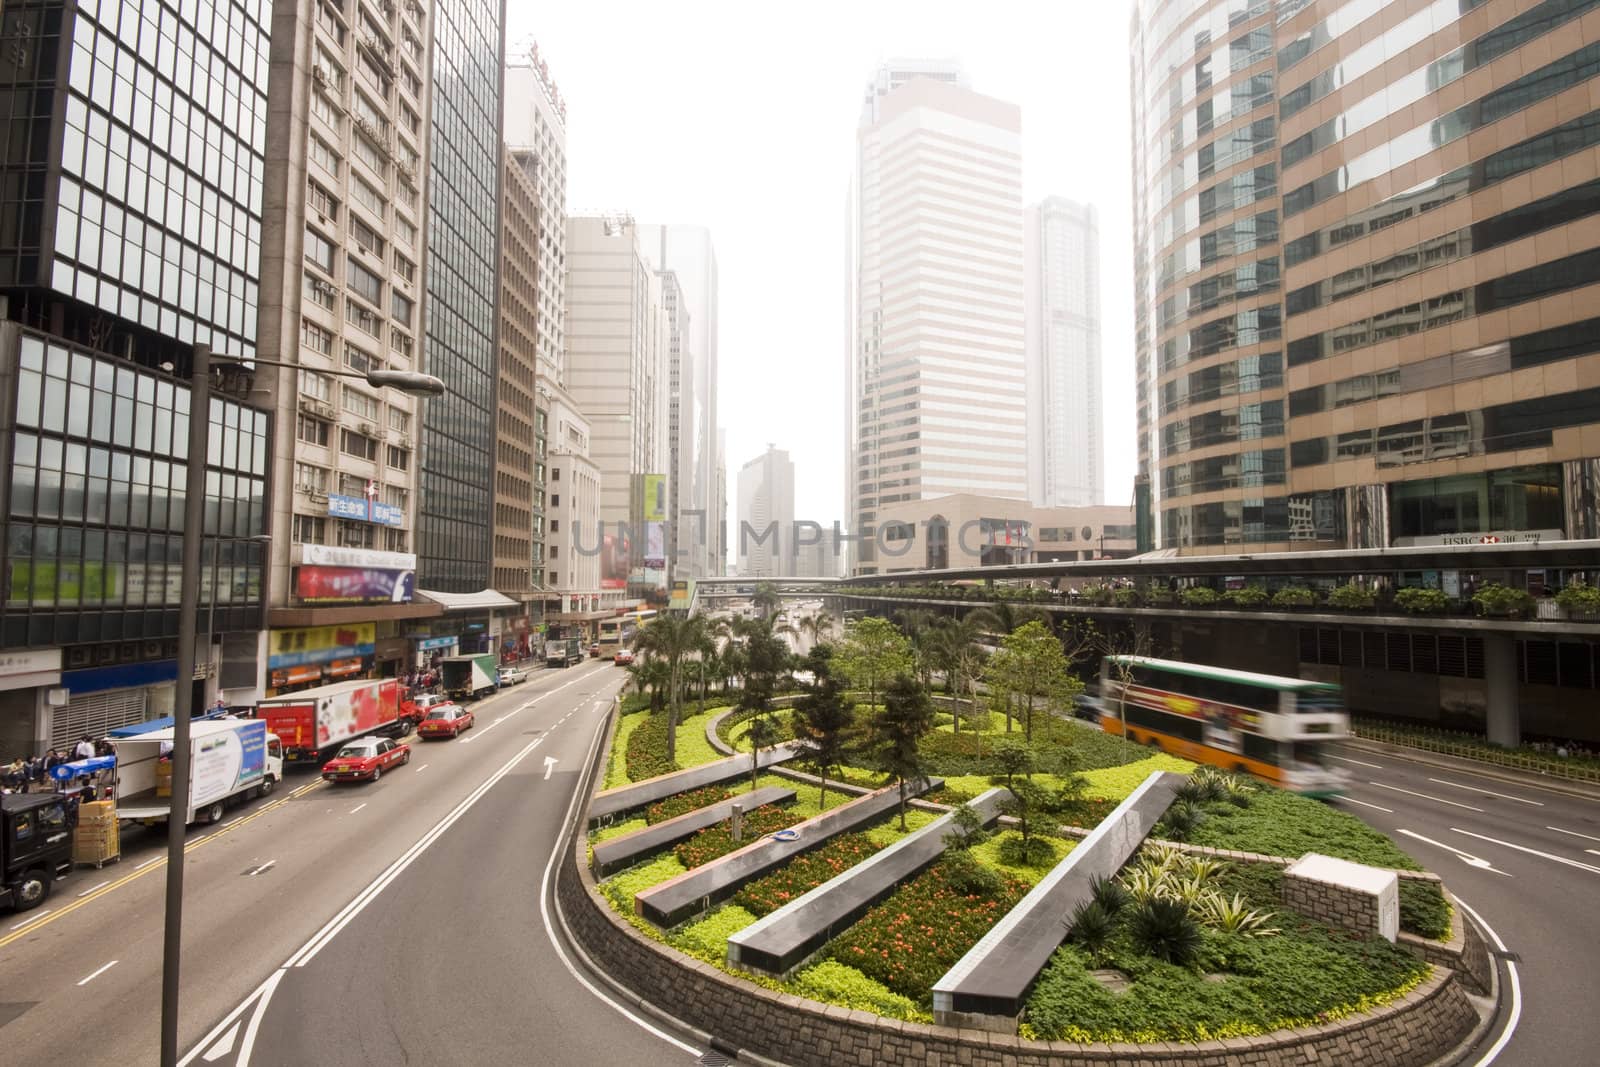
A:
308, 656
26, 675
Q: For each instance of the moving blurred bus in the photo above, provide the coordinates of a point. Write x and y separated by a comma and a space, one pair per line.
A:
1275, 728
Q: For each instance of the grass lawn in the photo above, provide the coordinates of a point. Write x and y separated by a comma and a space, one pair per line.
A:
616, 766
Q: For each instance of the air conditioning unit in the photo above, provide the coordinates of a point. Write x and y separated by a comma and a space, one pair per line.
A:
325, 409
405, 439
318, 495
368, 430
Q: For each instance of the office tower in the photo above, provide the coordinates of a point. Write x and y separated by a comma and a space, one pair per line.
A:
133, 232
454, 519
719, 524
687, 252
342, 291
765, 536
1366, 258
936, 385
515, 446
536, 125
1061, 240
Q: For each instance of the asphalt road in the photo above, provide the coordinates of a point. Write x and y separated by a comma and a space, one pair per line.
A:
1527, 860
412, 905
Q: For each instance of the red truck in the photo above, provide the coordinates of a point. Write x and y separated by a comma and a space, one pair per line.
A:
314, 720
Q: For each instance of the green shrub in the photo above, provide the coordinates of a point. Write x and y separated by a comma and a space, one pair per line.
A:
969, 877
1160, 596
1351, 597
683, 803
707, 938
1127, 598
1251, 596
1180, 821
1164, 930
1198, 596
833, 982
1415, 600
1423, 909
1293, 596
1109, 894
1034, 852
1497, 599
1091, 928
1580, 598
647, 749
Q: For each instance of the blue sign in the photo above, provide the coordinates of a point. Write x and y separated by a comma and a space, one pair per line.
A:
360, 509
253, 741
435, 642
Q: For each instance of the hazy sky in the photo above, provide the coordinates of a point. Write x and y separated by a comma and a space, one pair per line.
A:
741, 117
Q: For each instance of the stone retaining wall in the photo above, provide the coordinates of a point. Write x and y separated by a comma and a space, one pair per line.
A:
1419, 1027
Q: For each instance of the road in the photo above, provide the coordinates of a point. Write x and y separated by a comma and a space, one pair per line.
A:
1526, 859
411, 908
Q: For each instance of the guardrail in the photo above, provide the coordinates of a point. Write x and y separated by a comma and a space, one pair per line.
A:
1465, 746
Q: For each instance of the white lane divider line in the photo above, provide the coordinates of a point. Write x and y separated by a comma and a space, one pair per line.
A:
1516, 992
1425, 796
1357, 762
358, 807
1573, 833
420, 769
219, 1042
267, 866
1530, 851
1466, 857
35, 917
1364, 804
1488, 792
148, 862
86, 892
97, 974
231, 821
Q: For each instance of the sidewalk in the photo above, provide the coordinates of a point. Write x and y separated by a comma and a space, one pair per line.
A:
1580, 790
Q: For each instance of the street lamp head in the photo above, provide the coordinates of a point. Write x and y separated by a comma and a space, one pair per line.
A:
406, 381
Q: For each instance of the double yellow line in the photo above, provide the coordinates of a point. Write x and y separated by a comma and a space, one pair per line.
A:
159, 864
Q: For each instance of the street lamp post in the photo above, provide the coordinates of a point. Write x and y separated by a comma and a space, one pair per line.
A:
189, 608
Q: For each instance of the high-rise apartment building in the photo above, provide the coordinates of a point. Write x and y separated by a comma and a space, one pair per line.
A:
1061, 242
341, 290
1367, 260
616, 371
687, 252
572, 512
936, 371
454, 546
765, 535
516, 450
536, 124
131, 214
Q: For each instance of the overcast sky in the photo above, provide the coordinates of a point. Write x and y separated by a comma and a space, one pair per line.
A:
741, 117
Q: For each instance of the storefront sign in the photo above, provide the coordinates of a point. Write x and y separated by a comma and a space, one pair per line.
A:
24, 670
519, 624
321, 644
353, 585
336, 556
1493, 537
426, 643
365, 510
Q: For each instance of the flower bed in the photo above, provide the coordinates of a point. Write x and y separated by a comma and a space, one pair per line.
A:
804, 873
910, 940
646, 751
715, 841
683, 803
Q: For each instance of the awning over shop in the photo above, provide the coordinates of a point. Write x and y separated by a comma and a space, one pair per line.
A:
482, 600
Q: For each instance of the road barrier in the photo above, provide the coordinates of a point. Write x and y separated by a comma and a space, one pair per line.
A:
1466, 746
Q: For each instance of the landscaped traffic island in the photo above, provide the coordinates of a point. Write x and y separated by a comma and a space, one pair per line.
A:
1186, 933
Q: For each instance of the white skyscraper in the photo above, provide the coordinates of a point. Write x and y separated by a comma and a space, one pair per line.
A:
937, 382
766, 516
536, 121
1062, 243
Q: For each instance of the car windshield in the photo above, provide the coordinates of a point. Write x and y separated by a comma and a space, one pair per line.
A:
355, 751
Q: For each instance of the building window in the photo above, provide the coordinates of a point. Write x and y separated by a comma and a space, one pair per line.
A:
317, 386
396, 496
363, 318
405, 231
317, 291
370, 154
404, 269
399, 421
324, 155
359, 445
400, 307
361, 405
401, 344
311, 478
325, 110
399, 458
357, 359
363, 282
395, 540
311, 431
309, 529
366, 237
319, 250
322, 202
315, 338
366, 195
357, 535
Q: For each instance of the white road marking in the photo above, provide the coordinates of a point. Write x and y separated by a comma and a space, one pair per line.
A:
231, 821
97, 974
1574, 833
1516, 992
267, 866
1425, 796
1489, 792
1592, 852
86, 892
1364, 804
35, 917
148, 862
221, 1038
549, 765
420, 769
1357, 762
221, 1049
1529, 851
357, 808
1467, 857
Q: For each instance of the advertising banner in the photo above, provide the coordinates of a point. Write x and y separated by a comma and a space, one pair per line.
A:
616, 553
363, 509
321, 644
655, 498
225, 761
353, 585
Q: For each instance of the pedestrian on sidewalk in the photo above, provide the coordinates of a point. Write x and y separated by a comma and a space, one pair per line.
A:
84, 749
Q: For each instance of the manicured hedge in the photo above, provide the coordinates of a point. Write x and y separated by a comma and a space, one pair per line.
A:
647, 749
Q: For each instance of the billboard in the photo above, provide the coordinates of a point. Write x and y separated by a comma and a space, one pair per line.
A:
616, 553
353, 585
365, 509
653, 507
321, 644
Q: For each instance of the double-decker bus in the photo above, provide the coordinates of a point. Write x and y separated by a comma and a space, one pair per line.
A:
1275, 728
618, 632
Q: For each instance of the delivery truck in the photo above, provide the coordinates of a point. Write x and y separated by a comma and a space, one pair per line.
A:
314, 720
228, 759
563, 651
465, 677
35, 847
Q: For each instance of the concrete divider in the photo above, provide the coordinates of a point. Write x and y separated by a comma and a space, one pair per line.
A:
611, 856
612, 804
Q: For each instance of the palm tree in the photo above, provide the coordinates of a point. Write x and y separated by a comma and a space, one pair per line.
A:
766, 599
649, 675
816, 626
960, 657
1003, 617
673, 638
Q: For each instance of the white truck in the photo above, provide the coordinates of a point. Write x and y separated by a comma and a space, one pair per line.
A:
228, 758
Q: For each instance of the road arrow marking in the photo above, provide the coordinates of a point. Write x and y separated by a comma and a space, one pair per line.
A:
549, 765
224, 1046
1466, 857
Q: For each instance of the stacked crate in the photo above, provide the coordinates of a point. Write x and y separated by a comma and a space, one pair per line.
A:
96, 839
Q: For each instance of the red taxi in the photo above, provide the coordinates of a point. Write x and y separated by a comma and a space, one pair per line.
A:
623, 657
366, 758
447, 720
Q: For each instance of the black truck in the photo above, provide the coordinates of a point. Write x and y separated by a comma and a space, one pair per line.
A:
35, 847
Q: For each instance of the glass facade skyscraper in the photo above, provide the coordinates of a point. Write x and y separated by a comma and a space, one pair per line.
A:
1367, 261
454, 528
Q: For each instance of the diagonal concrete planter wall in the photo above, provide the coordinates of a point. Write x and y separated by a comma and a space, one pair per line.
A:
1421, 1026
